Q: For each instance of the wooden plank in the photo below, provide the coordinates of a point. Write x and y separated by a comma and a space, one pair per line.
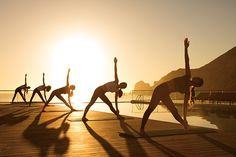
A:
172, 132
25, 131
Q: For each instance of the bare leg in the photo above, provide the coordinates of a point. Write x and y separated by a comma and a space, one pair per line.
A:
170, 105
108, 102
14, 96
21, 94
153, 104
34, 92
50, 98
40, 95
63, 100
92, 101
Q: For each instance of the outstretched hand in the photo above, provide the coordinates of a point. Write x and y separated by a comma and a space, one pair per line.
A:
115, 60
186, 43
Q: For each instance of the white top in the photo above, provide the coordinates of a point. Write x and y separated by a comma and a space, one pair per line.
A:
111, 87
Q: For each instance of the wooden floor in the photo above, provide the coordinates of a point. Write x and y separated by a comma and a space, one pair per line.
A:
25, 131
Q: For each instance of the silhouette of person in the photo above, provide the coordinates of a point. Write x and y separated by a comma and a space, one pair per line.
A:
113, 86
37, 90
181, 84
19, 90
68, 89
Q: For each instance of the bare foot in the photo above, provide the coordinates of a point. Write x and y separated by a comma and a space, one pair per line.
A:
185, 124
120, 117
143, 133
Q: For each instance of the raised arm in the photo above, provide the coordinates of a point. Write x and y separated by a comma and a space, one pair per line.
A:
186, 57
25, 79
43, 79
115, 70
67, 79
44, 90
26, 89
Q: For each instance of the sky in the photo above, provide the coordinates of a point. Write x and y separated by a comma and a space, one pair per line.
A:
51, 36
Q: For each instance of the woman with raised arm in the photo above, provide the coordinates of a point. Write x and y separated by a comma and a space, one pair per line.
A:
113, 86
20, 88
38, 90
68, 89
181, 84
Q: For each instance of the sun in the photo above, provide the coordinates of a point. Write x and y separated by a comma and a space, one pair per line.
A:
85, 57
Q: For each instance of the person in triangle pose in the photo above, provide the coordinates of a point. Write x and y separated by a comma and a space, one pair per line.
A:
183, 84
19, 90
68, 89
113, 87
38, 90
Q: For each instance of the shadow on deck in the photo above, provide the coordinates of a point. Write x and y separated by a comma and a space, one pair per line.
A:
25, 131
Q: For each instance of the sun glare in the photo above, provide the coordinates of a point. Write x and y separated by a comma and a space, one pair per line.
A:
85, 57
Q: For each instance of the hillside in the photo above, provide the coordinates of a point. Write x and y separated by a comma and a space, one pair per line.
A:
219, 74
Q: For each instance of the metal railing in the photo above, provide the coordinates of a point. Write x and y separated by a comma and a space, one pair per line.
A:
219, 96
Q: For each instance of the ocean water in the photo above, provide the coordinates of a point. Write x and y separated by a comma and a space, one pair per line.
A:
217, 116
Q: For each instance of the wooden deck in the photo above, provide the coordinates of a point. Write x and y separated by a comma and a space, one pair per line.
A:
25, 131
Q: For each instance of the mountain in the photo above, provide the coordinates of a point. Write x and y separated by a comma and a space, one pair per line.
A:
142, 86
219, 74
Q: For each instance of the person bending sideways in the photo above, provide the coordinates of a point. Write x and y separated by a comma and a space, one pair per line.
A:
19, 89
113, 87
38, 90
183, 84
68, 89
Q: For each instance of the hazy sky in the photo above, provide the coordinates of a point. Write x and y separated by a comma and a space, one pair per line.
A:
145, 35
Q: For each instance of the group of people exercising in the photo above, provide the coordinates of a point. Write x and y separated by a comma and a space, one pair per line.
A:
184, 84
